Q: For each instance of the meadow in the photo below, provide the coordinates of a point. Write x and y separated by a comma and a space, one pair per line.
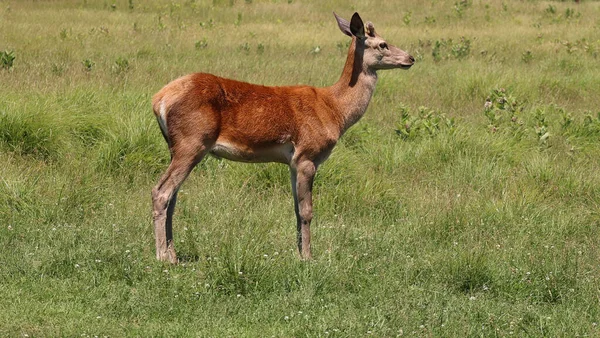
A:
465, 203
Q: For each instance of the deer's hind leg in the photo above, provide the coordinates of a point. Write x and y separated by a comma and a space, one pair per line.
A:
164, 197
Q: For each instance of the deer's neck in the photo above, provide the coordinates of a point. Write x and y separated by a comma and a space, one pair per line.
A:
355, 87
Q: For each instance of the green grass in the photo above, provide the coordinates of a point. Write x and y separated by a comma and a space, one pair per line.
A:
468, 223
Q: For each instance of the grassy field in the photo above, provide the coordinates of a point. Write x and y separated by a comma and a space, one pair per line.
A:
438, 214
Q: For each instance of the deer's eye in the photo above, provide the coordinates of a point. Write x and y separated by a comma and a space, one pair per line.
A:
383, 45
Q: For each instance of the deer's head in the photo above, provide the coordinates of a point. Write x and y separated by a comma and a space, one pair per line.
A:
377, 53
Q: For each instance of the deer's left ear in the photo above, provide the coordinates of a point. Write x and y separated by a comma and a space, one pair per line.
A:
343, 25
357, 27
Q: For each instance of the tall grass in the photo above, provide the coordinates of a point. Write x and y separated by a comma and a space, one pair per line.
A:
438, 214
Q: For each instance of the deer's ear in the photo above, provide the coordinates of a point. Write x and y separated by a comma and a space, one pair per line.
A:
370, 29
357, 27
343, 24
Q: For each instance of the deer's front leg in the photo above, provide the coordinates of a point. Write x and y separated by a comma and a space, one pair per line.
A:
302, 175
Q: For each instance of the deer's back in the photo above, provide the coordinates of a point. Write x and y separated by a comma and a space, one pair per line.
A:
250, 116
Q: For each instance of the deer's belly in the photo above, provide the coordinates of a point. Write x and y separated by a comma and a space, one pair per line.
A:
281, 153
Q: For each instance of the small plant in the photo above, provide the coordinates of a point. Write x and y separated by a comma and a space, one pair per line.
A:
589, 47
571, 14
201, 44
238, 21
260, 49
541, 126
209, 24
130, 4
462, 49
7, 59
58, 69
436, 49
566, 119
430, 20
64, 33
88, 65
407, 17
527, 56
551, 9
571, 47
460, 6
459, 50
161, 25
427, 122
316, 50
121, 65
501, 107
245, 47
591, 123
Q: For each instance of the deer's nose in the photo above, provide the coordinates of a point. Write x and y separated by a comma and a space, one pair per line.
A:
411, 58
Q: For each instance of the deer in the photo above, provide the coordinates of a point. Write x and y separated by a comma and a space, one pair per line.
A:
299, 126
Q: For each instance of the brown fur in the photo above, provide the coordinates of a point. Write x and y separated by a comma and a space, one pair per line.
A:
295, 125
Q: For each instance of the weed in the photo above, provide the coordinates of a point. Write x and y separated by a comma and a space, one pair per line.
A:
527, 56
121, 65
88, 65
407, 17
588, 47
161, 25
436, 51
201, 44
501, 107
57, 69
208, 24
238, 21
64, 33
591, 123
541, 126
461, 6
461, 49
571, 47
7, 59
430, 20
566, 120
427, 122
245, 47
571, 14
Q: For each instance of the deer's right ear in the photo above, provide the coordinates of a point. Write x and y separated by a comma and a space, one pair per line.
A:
343, 24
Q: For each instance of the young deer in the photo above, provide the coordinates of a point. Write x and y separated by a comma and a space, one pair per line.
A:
297, 125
